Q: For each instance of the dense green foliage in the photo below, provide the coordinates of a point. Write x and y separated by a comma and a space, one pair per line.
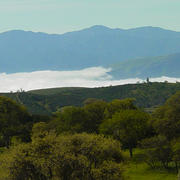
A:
128, 126
14, 121
65, 157
89, 117
46, 101
163, 148
167, 117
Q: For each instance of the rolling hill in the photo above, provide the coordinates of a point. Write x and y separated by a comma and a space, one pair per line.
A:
47, 101
148, 67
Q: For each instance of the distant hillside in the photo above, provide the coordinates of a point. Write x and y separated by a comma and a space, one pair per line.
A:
148, 67
22, 51
49, 100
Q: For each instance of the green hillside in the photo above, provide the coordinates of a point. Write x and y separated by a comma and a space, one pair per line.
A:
148, 67
46, 101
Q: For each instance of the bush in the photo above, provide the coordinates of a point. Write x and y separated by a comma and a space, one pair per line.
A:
78, 156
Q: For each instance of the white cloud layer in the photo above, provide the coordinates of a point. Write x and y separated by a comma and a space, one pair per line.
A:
90, 77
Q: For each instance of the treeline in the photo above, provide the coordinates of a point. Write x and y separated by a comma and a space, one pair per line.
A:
47, 101
87, 142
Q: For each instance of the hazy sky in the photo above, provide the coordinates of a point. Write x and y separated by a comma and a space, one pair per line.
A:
58, 16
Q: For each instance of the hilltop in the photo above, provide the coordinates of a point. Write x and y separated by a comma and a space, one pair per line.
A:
46, 101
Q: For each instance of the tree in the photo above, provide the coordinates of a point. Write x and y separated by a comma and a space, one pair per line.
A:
39, 130
118, 105
157, 150
70, 119
96, 116
176, 152
80, 119
147, 80
128, 126
14, 121
78, 156
167, 118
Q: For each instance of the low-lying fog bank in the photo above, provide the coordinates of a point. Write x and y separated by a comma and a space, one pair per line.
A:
89, 77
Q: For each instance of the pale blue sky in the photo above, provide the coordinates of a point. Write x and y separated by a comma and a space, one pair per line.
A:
59, 16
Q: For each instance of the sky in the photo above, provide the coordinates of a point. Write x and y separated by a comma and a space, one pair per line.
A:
89, 77
59, 16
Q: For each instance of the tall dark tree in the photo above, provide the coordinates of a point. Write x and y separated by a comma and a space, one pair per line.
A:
128, 126
14, 121
167, 118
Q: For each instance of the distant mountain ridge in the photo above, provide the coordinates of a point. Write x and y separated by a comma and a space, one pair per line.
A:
26, 51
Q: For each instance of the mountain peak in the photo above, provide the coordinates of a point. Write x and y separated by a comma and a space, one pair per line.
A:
20, 32
152, 28
99, 27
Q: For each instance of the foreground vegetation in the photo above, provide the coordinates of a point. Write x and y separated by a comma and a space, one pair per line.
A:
100, 140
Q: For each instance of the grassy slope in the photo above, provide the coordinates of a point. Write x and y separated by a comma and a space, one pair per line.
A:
148, 67
137, 170
142, 172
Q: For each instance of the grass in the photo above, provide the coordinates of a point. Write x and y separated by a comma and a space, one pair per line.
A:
138, 170
141, 171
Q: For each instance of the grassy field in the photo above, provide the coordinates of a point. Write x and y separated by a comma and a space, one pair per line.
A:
137, 170
141, 171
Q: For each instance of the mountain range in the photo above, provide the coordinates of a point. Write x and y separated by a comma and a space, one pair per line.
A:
132, 52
